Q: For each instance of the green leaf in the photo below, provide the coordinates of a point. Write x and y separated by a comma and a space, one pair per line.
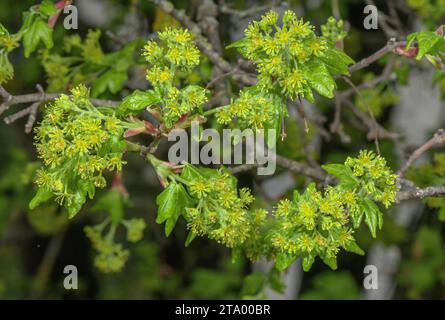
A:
47, 8
191, 172
38, 31
137, 101
308, 261
357, 217
76, 203
3, 30
113, 80
373, 216
41, 196
6, 68
336, 61
427, 41
172, 203
253, 284
343, 173
329, 261
353, 247
410, 39
111, 202
190, 237
296, 196
87, 187
319, 78
284, 260
239, 43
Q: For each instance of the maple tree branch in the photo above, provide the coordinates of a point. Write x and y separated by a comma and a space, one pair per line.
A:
36, 99
391, 46
420, 193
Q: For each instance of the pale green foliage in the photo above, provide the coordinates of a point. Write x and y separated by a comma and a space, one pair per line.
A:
428, 42
103, 71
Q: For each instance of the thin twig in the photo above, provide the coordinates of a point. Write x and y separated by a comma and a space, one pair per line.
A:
36, 99
386, 73
373, 130
420, 193
389, 47
371, 114
437, 139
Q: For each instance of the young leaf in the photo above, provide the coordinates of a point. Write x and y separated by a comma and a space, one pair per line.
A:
319, 78
47, 8
330, 261
41, 196
284, 260
190, 237
37, 32
427, 40
343, 173
336, 61
353, 247
373, 216
6, 68
308, 261
76, 203
171, 204
113, 80
137, 101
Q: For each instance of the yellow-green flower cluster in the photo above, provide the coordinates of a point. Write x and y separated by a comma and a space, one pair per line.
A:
222, 213
376, 180
178, 102
135, 229
313, 224
77, 143
333, 30
111, 256
280, 52
178, 49
251, 110
320, 223
175, 55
